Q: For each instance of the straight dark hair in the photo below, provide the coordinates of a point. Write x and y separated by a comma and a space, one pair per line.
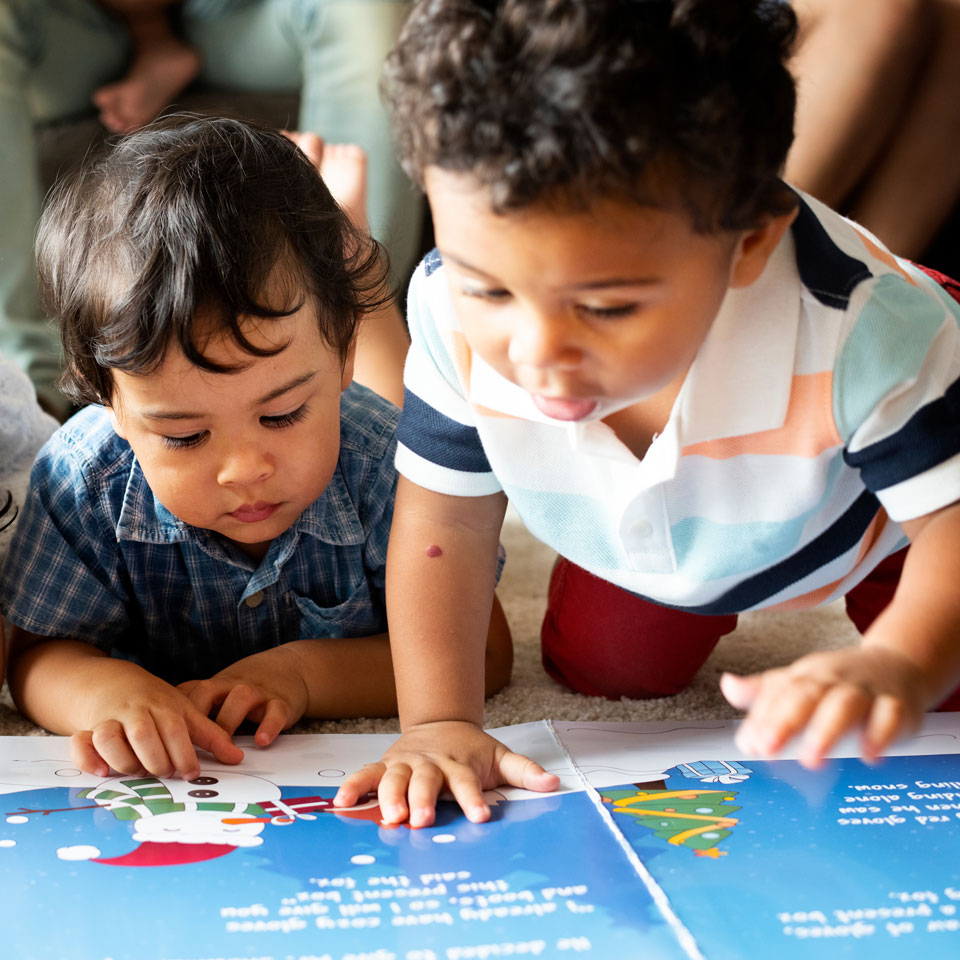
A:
192, 216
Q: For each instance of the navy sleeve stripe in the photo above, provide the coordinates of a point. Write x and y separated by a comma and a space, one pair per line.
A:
439, 439
928, 438
839, 537
825, 270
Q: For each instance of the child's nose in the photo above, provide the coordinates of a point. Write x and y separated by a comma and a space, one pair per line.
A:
542, 339
243, 465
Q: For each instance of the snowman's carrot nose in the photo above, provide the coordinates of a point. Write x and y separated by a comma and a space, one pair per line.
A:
232, 820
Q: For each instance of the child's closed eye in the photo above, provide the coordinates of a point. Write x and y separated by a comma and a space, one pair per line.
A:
275, 423
286, 419
484, 293
182, 443
609, 313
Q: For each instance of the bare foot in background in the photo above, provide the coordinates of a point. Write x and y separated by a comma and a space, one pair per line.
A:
157, 75
343, 167
382, 339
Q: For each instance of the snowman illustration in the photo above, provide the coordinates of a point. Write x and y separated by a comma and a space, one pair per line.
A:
178, 822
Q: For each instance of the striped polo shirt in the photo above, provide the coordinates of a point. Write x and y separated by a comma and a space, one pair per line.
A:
820, 411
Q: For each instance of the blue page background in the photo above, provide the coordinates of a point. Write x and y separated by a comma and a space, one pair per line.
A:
791, 879
84, 910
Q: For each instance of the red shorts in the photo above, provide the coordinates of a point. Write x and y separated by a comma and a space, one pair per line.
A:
606, 642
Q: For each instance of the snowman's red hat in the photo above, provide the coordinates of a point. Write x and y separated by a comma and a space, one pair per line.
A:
152, 854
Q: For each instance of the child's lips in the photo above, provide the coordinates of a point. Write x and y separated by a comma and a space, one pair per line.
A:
254, 512
558, 408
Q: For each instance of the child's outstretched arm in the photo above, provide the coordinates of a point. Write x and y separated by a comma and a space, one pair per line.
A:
908, 661
441, 571
117, 714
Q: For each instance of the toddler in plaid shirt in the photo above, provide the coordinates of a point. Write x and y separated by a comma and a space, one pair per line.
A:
205, 543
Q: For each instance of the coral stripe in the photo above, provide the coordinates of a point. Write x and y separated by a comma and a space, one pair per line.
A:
807, 431
885, 257
812, 599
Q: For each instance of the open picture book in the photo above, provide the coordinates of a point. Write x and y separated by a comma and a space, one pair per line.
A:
662, 842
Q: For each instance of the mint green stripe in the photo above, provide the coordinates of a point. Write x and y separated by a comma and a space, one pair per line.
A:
709, 550
888, 345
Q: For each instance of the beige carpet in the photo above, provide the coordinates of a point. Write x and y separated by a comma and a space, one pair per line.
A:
761, 640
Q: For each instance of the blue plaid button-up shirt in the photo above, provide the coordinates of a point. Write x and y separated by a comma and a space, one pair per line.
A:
97, 558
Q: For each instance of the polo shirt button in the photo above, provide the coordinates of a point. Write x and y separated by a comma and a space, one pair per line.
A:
641, 529
255, 599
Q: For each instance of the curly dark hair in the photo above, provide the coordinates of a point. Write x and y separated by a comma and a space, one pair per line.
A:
539, 99
195, 214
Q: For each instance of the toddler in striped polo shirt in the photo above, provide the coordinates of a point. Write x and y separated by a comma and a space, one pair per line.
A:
707, 391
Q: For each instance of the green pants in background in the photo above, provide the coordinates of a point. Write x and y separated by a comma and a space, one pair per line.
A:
55, 53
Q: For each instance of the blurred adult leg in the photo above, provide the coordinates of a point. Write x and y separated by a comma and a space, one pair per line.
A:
53, 53
332, 52
916, 184
852, 93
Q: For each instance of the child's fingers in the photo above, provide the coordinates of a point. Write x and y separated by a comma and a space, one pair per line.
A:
426, 782
392, 793
521, 771
242, 700
887, 720
151, 737
782, 709
741, 692
176, 738
84, 755
365, 780
842, 708
465, 786
213, 738
276, 719
203, 694
110, 741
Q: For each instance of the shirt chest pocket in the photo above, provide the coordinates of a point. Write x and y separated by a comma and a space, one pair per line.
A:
360, 615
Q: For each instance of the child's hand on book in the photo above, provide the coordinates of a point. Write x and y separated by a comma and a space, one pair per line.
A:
825, 695
428, 757
267, 688
141, 723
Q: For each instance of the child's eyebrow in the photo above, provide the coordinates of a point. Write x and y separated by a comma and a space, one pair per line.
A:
617, 282
602, 284
286, 388
299, 381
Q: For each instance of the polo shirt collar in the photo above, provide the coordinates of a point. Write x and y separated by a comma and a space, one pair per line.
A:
740, 381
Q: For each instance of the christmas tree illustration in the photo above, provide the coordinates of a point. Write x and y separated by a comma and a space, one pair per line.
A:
695, 817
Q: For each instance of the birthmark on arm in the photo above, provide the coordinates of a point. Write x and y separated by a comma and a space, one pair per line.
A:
434, 551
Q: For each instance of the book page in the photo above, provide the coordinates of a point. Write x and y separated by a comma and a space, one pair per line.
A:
254, 863
765, 858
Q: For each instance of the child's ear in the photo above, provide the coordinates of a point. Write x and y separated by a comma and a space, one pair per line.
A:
755, 246
115, 420
347, 378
